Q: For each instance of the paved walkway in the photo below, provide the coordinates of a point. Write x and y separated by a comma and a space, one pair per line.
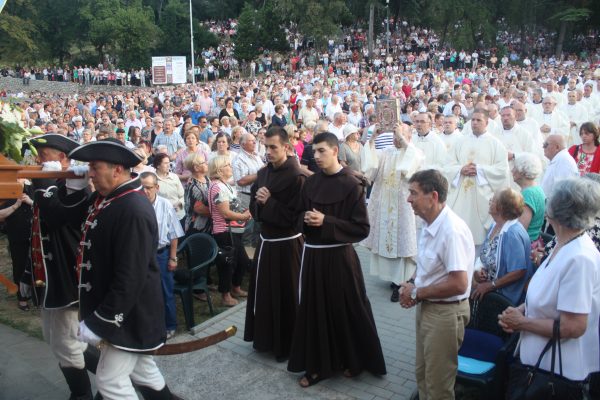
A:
232, 369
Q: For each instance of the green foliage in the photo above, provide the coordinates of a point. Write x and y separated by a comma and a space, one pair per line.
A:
136, 36
17, 39
247, 38
572, 14
317, 19
175, 27
259, 30
37, 32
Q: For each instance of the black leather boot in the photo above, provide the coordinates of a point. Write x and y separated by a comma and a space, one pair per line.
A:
151, 394
91, 356
79, 383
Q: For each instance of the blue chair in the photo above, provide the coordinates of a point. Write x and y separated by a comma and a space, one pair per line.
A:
200, 250
486, 352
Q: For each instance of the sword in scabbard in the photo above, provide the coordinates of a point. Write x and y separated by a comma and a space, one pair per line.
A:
189, 346
10, 286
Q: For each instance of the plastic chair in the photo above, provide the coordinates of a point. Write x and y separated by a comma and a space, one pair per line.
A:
201, 251
486, 352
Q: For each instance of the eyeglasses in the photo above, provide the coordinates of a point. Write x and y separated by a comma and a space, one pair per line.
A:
545, 144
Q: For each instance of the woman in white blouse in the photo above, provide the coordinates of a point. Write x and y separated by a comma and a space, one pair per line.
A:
170, 186
566, 286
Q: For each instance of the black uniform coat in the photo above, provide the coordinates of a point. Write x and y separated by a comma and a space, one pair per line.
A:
273, 291
120, 296
60, 231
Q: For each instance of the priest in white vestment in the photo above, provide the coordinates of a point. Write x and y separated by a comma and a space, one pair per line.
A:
592, 101
393, 237
577, 113
532, 128
429, 142
514, 138
450, 133
478, 168
552, 121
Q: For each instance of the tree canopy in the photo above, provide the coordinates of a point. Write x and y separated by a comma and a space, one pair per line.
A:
127, 32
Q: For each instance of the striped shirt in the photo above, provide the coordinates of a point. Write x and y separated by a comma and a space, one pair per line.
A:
169, 227
219, 192
243, 165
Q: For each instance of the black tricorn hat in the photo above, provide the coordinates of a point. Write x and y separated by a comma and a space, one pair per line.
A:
54, 141
108, 150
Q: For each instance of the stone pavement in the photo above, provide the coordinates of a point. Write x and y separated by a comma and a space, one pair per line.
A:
232, 369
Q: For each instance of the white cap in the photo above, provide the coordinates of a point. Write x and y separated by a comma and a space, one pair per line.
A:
349, 129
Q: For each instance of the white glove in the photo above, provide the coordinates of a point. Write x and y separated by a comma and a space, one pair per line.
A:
51, 166
25, 290
86, 335
80, 183
80, 170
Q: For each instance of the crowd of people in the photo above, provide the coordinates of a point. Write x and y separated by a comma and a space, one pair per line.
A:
468, 181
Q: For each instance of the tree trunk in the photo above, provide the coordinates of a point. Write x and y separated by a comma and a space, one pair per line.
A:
444, 33
371, 23
561, 38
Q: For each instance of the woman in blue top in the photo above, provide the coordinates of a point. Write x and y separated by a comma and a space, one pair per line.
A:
504, 256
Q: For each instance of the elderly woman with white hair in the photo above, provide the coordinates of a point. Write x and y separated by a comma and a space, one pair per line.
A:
526, 169
564, 293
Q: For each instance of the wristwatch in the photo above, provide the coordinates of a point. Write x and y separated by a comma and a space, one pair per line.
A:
174, 259
413, 294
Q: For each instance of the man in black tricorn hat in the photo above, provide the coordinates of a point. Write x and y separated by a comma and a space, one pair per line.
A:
54, 242
121, 305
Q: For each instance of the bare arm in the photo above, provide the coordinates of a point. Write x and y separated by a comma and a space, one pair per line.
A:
571, 325
247, 180
525, 218
201, 209
455, 284
8, 211
223, 208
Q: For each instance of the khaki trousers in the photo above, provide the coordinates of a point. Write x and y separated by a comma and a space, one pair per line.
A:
440, 332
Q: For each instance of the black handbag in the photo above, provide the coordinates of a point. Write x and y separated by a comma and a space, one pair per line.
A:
533, 383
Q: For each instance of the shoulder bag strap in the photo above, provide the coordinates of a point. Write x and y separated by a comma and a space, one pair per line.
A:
544, 351
556, 328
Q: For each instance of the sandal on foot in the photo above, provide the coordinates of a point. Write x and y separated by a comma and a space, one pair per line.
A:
230, 303
241, 293
310, 380
348, 374
200, 296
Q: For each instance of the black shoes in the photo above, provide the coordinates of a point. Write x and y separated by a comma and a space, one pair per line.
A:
395, 293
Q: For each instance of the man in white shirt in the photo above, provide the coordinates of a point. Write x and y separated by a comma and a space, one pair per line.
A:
245, 168
308, 113
561, 165
440, 287
337, 126
355, 116
132, 121
333, 107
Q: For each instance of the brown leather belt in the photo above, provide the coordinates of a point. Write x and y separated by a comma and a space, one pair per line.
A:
444, 302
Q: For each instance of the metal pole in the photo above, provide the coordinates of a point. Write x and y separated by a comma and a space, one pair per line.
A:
387, 22
192, 44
